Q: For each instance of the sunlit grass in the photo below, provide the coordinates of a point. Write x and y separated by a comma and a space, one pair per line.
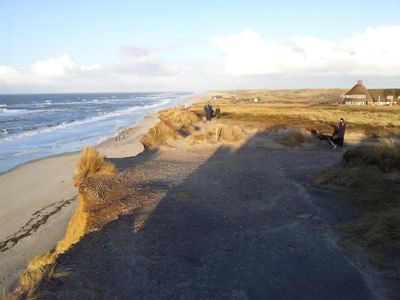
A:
91, 163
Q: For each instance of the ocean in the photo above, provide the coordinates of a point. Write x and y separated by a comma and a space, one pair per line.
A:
37, 126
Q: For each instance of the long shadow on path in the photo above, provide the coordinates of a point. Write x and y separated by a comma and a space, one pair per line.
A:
240, 226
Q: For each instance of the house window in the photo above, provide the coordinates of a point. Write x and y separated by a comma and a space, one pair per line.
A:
355, 96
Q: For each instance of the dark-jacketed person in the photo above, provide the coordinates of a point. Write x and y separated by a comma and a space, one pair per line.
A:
338, 136
209, 111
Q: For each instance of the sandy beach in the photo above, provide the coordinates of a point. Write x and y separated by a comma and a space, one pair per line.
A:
38, 200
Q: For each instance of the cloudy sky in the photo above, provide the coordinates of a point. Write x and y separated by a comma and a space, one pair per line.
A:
117, 46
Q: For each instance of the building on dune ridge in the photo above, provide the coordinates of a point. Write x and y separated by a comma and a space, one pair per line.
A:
360, 95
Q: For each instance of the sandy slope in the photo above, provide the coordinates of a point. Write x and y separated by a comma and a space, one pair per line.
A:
37, 201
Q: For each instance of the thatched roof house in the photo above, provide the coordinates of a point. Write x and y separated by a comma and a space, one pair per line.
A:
360, 95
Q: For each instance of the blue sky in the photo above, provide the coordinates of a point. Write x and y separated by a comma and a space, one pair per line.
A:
180, 39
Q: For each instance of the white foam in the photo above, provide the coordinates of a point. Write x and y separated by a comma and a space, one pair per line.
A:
4, 111
94, 119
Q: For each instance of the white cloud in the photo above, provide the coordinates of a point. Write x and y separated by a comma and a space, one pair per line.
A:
249, 54
376, 51
134, 67
41, 72
246, 60
135, 60
9, 75
53, 67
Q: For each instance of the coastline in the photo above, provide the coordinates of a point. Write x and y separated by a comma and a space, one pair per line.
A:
38, 199
172, 198
67, 144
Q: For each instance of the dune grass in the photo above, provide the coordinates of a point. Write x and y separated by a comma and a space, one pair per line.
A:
92, 163
373, 121
173, 125
309, 96
218, 132
32, 279
294, 138
296, 109
385, 155
366, 183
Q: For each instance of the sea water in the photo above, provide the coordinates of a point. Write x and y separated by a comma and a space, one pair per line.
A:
37, 126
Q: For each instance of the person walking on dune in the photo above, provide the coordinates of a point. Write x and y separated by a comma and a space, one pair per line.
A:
338, 136
208, 110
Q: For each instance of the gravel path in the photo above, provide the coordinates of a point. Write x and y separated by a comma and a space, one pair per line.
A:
230, 224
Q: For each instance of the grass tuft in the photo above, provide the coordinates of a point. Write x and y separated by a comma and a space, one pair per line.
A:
32, 279
91, 163
373, 228
294, 138
375, 193
173, 124
385, 155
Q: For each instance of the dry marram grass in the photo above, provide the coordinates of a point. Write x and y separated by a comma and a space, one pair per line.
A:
173, 125
92, 163
32, 279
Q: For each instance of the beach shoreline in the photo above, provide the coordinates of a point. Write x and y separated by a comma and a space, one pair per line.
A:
31, 131
44, 199
103, 144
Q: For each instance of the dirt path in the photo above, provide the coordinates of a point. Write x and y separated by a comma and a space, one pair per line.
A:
230, 224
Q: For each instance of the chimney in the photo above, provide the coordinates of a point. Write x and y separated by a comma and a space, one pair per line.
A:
359, 82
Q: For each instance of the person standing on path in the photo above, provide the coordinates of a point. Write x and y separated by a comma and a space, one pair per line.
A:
338, 137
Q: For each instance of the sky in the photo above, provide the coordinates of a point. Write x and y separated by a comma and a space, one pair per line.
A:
126, 46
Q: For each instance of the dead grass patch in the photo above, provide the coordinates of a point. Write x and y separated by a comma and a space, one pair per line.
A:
294, 138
